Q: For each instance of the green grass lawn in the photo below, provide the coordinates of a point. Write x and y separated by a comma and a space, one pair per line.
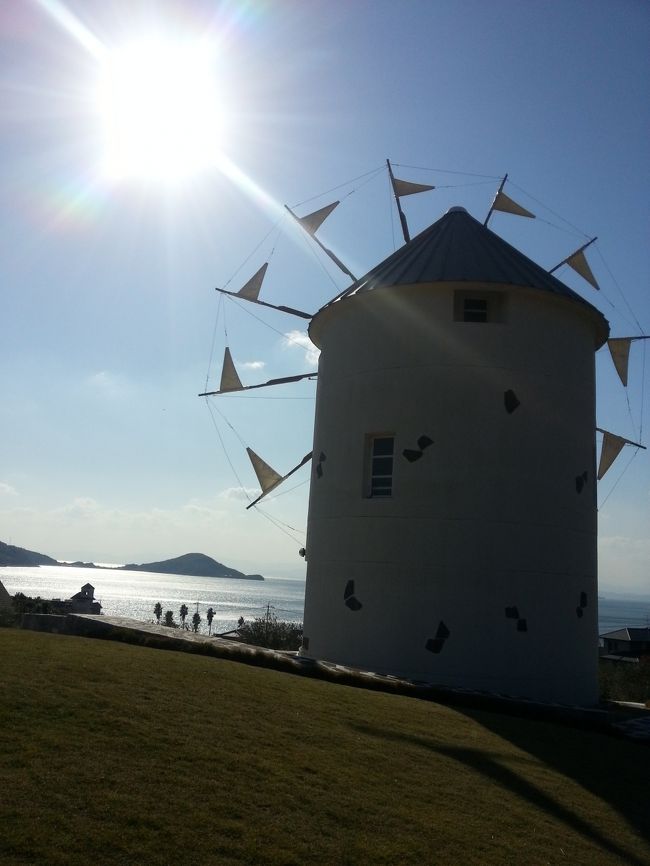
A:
111, 753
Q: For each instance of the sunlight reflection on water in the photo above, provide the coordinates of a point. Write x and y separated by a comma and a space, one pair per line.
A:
134, 593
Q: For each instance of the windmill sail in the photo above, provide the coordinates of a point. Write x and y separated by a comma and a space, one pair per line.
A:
405, 187
504, 203
611, 448
269, 477
283, 309
619, 349
284, 380
578, 261
230, 380
313, 221
251, 290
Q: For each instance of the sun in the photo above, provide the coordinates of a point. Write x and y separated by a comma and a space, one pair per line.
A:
161, 112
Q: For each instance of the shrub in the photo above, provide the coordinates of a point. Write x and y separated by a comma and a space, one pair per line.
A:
25, 604
625, 681
8, 619
268, 631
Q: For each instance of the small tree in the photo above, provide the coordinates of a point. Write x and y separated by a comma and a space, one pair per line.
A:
169, 619
209, 616
196, 621
157, 611
183, 614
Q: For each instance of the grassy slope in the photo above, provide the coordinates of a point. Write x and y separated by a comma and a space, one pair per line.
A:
111, 754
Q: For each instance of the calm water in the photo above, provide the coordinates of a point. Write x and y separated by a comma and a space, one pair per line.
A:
616, 613
134, 593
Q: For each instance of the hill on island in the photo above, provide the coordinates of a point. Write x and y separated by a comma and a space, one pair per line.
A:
195, 564
19, 556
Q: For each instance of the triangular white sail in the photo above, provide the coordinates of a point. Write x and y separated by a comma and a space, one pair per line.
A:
267, 477
230, 380
504, 203
313, 221
251, 290
619, 349
578, 261
611, 448
261, 466
405, 187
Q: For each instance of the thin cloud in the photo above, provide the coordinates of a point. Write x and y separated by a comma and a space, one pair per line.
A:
252, 365
300, 340
84, 528
240, 494
7, 489
627, 544
82, 507
107, 384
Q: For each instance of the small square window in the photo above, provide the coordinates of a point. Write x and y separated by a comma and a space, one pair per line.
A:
380, 465
479, 306
475, 310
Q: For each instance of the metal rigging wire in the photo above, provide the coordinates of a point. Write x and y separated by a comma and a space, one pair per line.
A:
446, 171
367, 174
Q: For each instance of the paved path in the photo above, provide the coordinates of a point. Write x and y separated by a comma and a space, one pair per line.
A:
180, 634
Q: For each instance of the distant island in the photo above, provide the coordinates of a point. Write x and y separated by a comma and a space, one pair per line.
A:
193, 564
19, 557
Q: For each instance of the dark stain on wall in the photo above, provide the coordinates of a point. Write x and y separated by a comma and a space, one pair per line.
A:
349, 597
510, 401
435, 644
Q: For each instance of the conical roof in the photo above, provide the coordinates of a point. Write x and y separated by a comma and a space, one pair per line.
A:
458, 248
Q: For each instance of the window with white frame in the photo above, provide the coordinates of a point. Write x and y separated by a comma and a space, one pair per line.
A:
381, 449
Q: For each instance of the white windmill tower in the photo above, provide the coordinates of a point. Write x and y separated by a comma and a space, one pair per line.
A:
452, 520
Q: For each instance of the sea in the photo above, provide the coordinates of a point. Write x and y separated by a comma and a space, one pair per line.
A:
134, 593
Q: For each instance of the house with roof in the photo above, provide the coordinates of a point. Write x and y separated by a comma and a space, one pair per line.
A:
626, 643
84, 600
6, 604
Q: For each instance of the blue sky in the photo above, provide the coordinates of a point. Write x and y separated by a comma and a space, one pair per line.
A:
108, 305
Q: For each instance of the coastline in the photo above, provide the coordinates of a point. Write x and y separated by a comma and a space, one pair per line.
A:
134, 567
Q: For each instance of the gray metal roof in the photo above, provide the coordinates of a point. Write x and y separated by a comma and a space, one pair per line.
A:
458, 248
631, 633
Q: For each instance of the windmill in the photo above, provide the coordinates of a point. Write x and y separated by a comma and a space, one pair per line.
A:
452, 517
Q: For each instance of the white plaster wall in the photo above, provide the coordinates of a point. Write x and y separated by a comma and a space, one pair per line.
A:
488, 518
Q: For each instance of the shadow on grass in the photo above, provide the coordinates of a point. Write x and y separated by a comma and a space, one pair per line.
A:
594, 765
575, 745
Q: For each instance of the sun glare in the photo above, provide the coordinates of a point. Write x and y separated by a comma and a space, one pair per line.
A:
160, 110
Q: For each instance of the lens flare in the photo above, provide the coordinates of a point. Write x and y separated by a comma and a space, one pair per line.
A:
160, 109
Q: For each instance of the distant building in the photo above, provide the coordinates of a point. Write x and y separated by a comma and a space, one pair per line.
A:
5, 599
84, 600
626, 643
